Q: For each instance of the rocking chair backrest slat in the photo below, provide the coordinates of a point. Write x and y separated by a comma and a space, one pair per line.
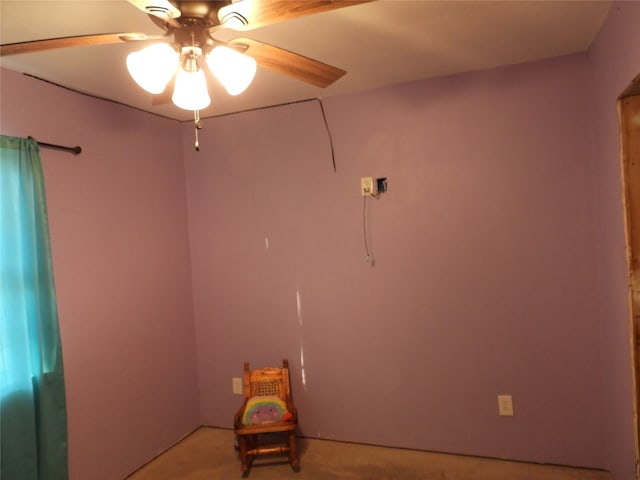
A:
268, 381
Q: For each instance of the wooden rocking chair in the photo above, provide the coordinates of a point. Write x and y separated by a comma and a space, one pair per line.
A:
267, 409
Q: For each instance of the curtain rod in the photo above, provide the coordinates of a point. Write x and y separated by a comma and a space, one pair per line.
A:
75, 150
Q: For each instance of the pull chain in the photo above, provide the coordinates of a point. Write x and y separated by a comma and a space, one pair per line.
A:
197, 126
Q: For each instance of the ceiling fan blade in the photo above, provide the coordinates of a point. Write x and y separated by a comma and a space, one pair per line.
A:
65, 42
288, 63
257, 13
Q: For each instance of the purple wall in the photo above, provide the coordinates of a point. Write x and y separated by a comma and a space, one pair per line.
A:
499, 267
121, 261
485, 273
615, 61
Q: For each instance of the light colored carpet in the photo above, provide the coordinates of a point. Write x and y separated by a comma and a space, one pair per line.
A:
208, 454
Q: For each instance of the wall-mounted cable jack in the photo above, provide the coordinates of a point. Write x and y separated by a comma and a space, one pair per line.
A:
372, 187
366, 186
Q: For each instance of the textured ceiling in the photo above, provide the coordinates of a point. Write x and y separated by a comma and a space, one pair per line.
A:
378, 43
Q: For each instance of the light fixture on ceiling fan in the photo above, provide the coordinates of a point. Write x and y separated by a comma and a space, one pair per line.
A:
179, 71
153, 67
190, 91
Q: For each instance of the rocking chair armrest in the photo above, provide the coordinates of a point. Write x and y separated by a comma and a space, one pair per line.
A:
291, 408
237, 419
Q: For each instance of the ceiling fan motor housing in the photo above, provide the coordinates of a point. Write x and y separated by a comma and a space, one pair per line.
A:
200, 14
194, 21
193, 37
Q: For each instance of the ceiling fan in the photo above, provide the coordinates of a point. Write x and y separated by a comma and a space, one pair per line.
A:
178, 64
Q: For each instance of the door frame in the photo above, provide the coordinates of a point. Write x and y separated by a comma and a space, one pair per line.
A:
629, 122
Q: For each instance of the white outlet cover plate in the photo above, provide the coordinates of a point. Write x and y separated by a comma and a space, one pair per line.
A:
505, 405
237, 385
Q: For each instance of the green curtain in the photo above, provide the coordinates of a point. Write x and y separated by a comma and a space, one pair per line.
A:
33, 418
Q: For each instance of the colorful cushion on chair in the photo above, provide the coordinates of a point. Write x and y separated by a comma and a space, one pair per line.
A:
263, 410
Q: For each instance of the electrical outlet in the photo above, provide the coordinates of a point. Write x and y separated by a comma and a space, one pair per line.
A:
505, 405
237, 385
366, 186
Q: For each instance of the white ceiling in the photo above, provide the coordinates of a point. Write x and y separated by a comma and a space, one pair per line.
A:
378, 43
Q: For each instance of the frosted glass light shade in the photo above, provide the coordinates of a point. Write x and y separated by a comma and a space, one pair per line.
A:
233, 69
190, 92
152, 67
